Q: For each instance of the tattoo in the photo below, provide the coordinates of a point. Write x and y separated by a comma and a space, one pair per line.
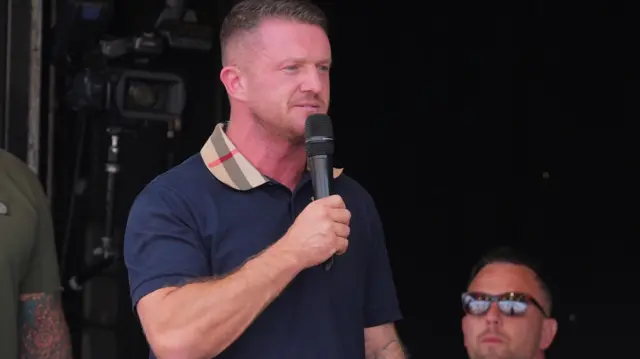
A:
392, 350
43, 329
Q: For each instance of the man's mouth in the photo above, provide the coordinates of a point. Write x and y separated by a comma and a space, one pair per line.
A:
491, 339
309, 107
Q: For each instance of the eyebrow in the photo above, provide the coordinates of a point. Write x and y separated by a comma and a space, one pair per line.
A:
300, 59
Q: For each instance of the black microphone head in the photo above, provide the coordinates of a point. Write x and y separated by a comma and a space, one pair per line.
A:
319, 135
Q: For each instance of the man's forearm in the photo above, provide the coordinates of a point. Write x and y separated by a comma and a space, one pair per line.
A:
219, 310
43, 329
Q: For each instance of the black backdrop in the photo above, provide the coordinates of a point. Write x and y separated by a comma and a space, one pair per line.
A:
473, 103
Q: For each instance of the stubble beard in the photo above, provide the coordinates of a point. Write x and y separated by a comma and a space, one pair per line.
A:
278, 130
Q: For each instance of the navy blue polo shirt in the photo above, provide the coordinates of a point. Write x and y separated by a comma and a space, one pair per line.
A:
208, 215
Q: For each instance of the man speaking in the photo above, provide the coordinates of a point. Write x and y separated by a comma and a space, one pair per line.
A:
225, 251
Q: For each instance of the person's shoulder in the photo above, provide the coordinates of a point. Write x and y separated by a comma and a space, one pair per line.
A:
352, 190
21, 176
186, 177
12, 165
183, 184
178, 196
352, 186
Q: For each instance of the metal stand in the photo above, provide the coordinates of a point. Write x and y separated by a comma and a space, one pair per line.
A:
112, 167
106, 251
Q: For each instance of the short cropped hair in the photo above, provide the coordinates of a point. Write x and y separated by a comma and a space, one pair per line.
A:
246, 16
512, 256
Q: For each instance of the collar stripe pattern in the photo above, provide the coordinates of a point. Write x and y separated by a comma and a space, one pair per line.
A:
229, 166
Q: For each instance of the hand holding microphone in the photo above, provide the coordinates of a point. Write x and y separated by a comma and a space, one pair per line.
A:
320, 147
320, 231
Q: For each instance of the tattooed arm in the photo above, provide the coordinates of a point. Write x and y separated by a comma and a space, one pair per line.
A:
382, 342
43, 330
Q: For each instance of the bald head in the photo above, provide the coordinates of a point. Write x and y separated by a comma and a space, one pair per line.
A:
246, 16
521, 264
501, 277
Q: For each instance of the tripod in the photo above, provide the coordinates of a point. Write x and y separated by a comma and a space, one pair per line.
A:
107, 251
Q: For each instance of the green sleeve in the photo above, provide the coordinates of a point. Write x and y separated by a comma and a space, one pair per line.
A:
42, 273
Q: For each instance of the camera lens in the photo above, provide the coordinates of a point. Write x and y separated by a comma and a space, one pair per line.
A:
143, 95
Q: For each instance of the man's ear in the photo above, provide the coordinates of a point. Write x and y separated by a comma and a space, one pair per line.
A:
233, 81
549, 330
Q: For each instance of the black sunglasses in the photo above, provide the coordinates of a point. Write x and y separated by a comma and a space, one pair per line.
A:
510, 304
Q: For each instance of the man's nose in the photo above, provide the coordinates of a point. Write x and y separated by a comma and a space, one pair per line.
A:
312, 81
494, 315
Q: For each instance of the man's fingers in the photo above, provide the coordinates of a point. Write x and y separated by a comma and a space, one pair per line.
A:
334, 201
340, 216
342, 246
341, 230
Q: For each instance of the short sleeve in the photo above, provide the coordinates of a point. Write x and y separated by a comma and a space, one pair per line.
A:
381, 302
162, 247
42, 271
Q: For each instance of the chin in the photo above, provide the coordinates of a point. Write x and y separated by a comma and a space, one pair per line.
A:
298, 122
294, 130
298, 132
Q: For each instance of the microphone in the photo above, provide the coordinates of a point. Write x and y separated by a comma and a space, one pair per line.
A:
320, 147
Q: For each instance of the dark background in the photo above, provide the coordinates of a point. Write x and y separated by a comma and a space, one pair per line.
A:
477, 101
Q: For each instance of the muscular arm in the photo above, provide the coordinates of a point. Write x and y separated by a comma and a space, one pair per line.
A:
43, 329
382, 342
176, 320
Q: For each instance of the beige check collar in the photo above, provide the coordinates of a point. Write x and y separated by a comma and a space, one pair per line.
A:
229, 166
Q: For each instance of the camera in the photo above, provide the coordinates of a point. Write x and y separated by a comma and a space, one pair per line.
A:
113, 79
126, 93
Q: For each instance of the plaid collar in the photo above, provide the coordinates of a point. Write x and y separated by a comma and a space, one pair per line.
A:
229, 166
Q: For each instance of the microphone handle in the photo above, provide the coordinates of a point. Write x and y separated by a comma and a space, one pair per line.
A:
328, 263
321, 178
321, 175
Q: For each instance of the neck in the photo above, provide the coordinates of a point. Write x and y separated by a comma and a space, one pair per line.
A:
274, 157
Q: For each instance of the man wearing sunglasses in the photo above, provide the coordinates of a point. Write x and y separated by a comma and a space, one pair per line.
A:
507, 309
